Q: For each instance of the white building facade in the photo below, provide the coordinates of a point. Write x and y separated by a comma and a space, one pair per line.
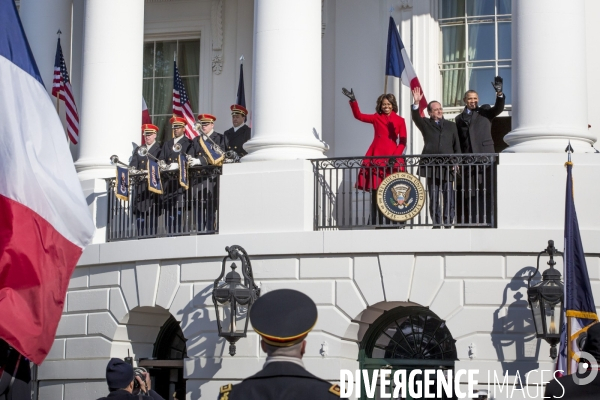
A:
297, 57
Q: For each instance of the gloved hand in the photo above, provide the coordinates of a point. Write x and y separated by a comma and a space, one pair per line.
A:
497, 84
349, 94
173, 166
194, 162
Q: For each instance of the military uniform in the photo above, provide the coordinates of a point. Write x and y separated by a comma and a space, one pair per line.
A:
171, 156
283, 318
174, 195
235, 139
206, 189
142, 197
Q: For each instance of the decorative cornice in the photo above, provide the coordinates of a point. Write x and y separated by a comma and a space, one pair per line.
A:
406, 3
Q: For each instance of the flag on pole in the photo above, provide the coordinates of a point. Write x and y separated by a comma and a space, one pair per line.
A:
45, 221
145, 118
61, 88
241, 94
181, 104
580, 310
398, 64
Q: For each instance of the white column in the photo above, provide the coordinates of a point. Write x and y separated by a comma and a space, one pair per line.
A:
111, 102
41, 20
286, 85
549, 77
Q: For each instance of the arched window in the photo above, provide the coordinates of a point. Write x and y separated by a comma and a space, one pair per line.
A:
407, 338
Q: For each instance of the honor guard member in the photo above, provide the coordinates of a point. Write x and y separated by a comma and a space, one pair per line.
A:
168, 154
240, 133
283, 318
139, 162
207, 127
146, 212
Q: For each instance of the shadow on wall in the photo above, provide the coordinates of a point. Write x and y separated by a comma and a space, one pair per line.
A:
204, 345
513, 327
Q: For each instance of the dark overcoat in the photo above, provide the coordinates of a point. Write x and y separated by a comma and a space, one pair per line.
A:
439, 138
478, 131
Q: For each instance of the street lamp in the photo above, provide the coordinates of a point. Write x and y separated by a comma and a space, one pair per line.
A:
233, 298
546, 301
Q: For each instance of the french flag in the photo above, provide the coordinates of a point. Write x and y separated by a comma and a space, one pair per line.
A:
398, 64
45, 222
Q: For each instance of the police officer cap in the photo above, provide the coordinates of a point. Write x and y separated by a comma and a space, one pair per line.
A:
283, 317
119, 374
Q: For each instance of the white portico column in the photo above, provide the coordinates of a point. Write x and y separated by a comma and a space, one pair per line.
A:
286, 81
41, 20
111, 101
549, 77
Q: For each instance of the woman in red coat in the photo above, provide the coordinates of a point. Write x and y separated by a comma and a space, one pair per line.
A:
388, 126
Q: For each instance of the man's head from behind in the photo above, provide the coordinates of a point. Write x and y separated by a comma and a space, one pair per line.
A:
471, 99
119, 375
283, 319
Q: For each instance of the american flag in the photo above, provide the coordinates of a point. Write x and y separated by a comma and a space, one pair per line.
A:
181, 104
61, 86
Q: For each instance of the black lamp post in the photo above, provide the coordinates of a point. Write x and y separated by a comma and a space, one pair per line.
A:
546, 301
234, 297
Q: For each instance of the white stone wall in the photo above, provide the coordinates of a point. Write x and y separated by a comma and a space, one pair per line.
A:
113, 307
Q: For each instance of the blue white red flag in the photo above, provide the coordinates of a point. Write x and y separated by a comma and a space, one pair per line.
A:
397, 63
61, 88
181, 104
580, 310
145, 118
45, 221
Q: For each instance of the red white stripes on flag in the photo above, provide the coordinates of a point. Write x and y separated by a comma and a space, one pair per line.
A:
181, 104
61, 88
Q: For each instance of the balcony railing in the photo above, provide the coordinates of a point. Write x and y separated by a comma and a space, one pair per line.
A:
458, 191
176, 212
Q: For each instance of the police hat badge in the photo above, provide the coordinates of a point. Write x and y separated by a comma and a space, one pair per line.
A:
400, 196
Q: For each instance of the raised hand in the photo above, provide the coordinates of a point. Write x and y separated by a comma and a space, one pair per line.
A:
497, 84
417, 94
349, 94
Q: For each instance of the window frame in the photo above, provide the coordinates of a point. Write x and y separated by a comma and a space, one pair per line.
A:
467, 65
153, 78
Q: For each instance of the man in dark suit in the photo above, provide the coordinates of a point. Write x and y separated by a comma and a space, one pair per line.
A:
174, 200
439, 137
283, 319
240, 133
208, 147
566, 388
474, 126
145, 203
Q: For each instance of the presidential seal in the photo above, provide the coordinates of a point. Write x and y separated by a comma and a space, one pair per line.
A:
400, 196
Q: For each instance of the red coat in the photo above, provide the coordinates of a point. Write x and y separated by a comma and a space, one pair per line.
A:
387, 130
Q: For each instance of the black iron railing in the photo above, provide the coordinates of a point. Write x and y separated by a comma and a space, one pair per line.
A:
176, 212
459, 191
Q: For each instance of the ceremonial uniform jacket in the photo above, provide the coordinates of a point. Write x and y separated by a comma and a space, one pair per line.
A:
171, 156
387, 130
281, 380
142, 197
141, 163
475, 134
197, 151
236, 139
